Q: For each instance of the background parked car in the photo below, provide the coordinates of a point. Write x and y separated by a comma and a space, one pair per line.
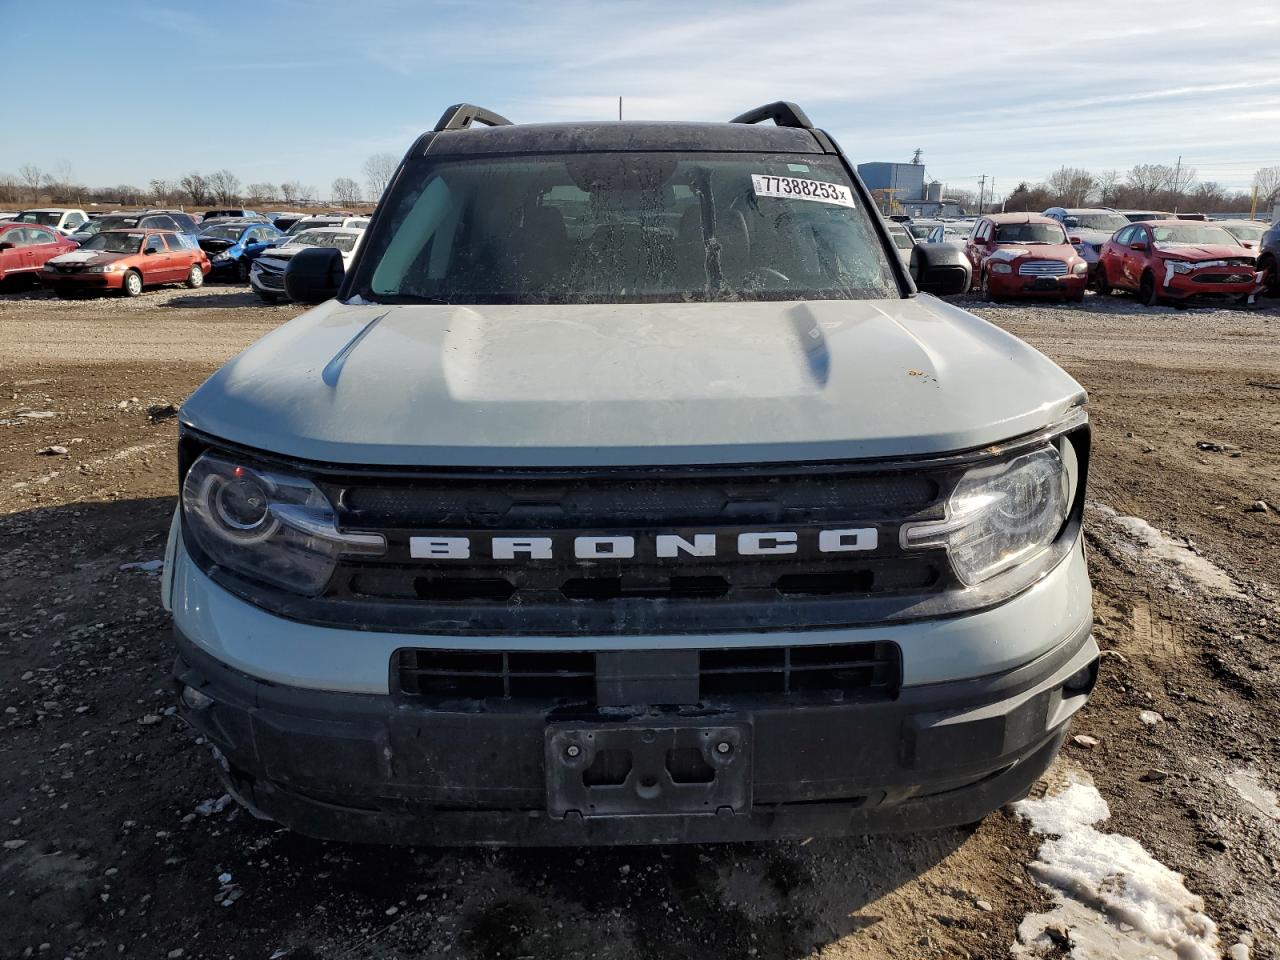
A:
312, 223
1176, 260
1088, 229
903, 241
235, 214
66, 220
1136, 216
920, 228
232, 245
1269, 259
1248, 232
145, 220
954, 233
25, 248
1025, 255
127, 260
267, 274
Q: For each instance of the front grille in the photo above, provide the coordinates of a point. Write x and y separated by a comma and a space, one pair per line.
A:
1042, 268
1224, 278
645, 592
569, 677
70, 267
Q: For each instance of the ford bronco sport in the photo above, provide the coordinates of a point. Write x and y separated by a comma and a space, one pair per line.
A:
626, 489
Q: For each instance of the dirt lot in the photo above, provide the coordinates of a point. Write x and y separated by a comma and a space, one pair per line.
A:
118, 842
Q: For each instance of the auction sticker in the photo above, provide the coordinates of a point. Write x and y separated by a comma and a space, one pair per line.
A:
797, 188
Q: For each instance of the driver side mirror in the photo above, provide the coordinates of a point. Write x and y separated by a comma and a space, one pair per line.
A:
1138, 245
150, 250
7, 245
1074, 240
940, 269
314, 274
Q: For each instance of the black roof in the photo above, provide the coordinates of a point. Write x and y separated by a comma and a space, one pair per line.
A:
622, 136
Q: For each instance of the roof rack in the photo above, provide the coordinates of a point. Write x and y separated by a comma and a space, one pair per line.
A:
461, 115
784, 113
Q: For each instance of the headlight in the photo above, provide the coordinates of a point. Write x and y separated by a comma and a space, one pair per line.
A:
1001, 268
1080, 268
266, 525
104, 268
221, 257
1179, 266
999, 516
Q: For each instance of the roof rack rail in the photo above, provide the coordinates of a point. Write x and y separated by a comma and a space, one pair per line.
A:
784, 113
461, 115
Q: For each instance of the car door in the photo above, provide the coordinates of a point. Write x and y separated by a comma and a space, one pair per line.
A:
11, 260
1135, 260
179, 256
975, 249
156, 265
42, 245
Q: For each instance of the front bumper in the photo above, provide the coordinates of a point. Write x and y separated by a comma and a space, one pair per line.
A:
1186, 286
1015, 285
82, 281
387, 769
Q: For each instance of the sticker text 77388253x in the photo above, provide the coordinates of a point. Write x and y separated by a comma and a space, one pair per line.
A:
798, 188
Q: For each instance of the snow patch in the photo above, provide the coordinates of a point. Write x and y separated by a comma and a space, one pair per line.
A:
1116, 900
1177, 557
1248, 784
149, 566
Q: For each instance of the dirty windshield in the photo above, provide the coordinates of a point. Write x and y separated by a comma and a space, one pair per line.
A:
1030, 233
626, 228
114, 242
1192, 235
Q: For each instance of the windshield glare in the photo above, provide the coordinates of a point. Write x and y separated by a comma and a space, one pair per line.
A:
623, 228
1110, 222
223, 233
114, 242
45, 219
1246, 232
346, 242
1030, 233
1194, 235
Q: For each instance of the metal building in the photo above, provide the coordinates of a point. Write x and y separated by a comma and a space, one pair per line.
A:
903, 181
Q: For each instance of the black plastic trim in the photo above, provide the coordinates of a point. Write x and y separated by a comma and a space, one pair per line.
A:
783, 113
462, 115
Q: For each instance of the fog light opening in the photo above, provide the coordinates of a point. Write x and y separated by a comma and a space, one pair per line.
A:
1082, 680
196, 700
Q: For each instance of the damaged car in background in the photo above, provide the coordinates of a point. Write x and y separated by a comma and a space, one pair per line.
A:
266, 276
1176, 261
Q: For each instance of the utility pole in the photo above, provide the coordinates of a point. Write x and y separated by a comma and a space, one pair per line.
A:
619, 108
982, 189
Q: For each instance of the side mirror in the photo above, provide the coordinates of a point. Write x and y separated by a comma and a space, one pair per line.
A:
150, 250
6, 245
313, 275
1138, 245
940, 269
1074, 240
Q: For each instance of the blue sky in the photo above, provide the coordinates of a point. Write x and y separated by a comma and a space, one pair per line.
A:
285, 89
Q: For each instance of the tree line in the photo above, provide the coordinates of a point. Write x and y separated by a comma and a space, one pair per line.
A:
1155, 186
33, 185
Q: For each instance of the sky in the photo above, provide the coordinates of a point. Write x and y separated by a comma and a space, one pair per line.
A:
306, 90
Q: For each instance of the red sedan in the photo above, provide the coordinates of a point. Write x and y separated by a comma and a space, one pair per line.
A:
26, 247
1025, 255
1177, 260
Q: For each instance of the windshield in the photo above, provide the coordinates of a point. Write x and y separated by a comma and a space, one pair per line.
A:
346, 242
625, 228
39, 216
920, 230
901, 237
1192, 235
114, 242
1111, 222
1246, 232
1030, 233
309, 224
90, 227
231, 233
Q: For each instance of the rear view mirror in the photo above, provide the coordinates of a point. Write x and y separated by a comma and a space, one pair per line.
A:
314, 274
940, 269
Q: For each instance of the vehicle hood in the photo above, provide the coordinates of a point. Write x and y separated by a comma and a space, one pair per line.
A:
92, 258
284, 252
624, 384
1010, 252
1209, 251
214, 245
1094, 237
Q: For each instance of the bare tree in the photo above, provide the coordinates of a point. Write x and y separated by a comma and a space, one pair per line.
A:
10, 187
1107, 186
378, 171
33, 177
291, 190
1145, 180
260, 192
346, 190
1267, 183
1070, 185
196, 188
161, 191
225, 187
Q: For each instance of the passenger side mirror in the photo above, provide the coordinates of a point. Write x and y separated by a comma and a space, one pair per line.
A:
1138, 245
940, 269
314, 274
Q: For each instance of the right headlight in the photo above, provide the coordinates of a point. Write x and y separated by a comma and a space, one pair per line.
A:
999, 516
1001, 268
266, 525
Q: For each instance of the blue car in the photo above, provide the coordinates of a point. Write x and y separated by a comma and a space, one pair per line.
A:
233, 245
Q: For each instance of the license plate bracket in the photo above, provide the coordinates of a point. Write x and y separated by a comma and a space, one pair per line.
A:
1045, 283
638, 770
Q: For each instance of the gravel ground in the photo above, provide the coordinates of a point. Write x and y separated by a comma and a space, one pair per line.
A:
117, 841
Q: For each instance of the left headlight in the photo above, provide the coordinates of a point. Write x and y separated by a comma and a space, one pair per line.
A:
1179, 266
267, 525
1079, 268
221, 257
999, 516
